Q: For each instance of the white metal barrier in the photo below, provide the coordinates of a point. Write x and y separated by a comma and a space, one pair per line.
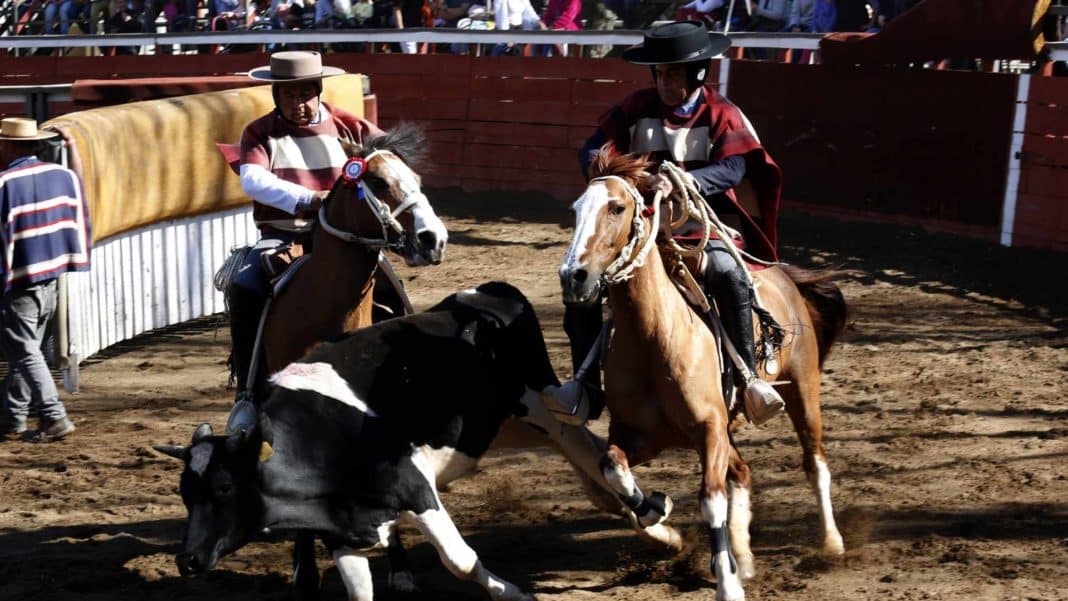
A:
149, 278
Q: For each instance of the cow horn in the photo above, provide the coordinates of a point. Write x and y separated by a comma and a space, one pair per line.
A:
171, 450
203, 431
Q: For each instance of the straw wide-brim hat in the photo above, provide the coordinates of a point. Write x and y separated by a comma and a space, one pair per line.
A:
21, 129
678, 42
296, 65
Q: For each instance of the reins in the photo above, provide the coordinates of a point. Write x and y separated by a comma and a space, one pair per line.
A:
387, 218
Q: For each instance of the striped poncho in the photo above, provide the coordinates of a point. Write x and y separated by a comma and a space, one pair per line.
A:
44, 223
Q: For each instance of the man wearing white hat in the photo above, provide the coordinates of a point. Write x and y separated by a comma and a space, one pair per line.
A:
290, 159
44, 232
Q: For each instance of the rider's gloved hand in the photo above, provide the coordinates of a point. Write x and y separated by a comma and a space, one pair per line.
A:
309, 207
661, 183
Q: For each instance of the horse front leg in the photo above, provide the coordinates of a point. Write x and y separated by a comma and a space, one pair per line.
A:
715, 453
740, 483
647, 512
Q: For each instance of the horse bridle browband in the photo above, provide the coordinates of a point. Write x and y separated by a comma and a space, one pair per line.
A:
386, 218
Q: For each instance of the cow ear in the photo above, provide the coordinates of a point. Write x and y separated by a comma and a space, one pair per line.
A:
171, 450
203, 431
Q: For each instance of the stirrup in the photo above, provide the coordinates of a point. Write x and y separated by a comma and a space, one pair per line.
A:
569, 403
762, 401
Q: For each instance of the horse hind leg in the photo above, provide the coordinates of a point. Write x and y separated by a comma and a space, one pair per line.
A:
740, 483
803, 407
715, 509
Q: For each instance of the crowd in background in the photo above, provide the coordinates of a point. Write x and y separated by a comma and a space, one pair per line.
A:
133, 16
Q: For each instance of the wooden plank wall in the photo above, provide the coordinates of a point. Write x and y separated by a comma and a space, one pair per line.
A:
917, 146
1041, 211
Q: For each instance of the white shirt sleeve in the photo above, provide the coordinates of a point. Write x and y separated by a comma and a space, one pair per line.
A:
267, 188
502, 18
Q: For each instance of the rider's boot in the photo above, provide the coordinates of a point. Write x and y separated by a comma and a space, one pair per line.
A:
580, 399
245, 307
762, 401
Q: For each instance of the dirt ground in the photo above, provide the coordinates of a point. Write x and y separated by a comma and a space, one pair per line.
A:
944, 410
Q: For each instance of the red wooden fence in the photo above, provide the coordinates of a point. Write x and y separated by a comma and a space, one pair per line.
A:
1041, 216
918, 146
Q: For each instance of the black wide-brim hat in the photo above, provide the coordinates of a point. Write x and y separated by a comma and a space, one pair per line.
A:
678, 42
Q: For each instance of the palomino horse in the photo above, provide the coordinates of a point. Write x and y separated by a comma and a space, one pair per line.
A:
662, 370
331, 293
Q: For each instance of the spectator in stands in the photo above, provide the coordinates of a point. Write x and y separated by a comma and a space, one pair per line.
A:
401, 14
854, 15
514, 14
123, 20
286, 14
769, 16
289, 161
73, 11
890, 9
686, 121
33, 195
331, 14
51, 16
812, 16
627, 10
560, 15
705, 11
448, 12
99, 12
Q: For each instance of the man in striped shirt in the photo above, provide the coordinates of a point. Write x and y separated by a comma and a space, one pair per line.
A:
44, 232
289, 161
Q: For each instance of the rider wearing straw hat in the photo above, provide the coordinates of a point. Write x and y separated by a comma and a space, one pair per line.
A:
44, 223
685, 121
290, 159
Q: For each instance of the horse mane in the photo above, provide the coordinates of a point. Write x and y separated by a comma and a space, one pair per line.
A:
633, 168
406, 140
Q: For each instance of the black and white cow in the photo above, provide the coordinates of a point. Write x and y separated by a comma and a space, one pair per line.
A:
359, 433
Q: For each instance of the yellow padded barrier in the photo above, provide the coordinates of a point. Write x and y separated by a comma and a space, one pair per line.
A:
152, 161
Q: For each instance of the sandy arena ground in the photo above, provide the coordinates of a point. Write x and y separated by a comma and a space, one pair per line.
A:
944, 411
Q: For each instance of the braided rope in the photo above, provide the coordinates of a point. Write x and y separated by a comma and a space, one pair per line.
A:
629, 259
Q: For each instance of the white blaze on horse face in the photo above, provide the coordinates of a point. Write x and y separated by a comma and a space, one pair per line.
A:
321, 378
423, 215
586, 208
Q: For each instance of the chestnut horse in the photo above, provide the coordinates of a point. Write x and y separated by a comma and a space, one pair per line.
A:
332, 292
662, 369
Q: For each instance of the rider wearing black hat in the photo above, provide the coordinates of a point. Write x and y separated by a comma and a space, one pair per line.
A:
686, 121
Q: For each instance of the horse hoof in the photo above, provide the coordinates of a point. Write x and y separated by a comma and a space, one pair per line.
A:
403, 583
746, 566
659, 508
833, 545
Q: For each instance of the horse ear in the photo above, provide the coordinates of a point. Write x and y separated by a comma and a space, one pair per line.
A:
171, 450
351, 149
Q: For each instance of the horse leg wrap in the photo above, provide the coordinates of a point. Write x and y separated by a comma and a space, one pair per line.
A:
721, 542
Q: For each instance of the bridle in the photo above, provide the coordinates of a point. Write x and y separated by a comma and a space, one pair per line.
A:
387, 218
631, 257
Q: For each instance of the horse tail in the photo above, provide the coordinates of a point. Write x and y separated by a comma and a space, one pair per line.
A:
825, 303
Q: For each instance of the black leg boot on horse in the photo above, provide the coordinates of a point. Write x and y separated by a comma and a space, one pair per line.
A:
727, 283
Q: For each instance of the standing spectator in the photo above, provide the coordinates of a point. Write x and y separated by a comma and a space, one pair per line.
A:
99, 12
73, 11
560, 15
514, 14
44, 230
